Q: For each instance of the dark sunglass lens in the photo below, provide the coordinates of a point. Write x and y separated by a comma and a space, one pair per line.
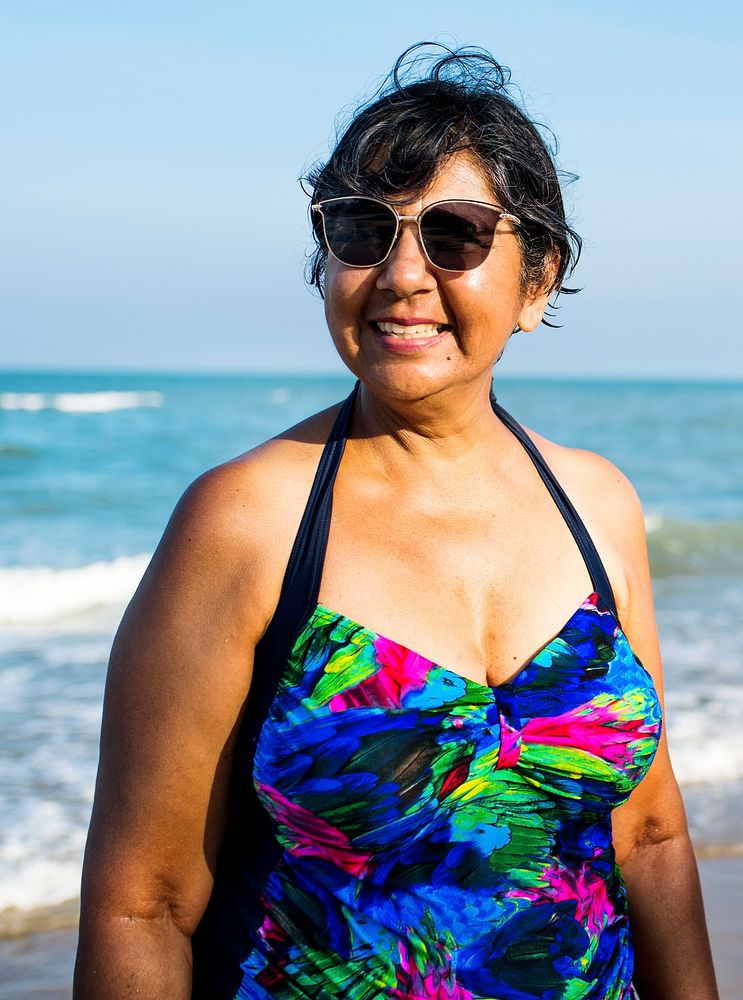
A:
359, 231
458, 235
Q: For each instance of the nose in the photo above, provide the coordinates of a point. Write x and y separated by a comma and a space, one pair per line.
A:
407, 269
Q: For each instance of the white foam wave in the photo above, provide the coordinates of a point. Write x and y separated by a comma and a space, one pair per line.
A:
653, 522
40, 857
40, 595
79, 402
703, 735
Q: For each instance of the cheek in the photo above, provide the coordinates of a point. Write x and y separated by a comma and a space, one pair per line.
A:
485, 304
346, 294
484, 296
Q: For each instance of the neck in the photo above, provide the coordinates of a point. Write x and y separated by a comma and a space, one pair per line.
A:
448, 425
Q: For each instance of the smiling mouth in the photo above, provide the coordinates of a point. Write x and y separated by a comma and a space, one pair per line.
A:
413, 331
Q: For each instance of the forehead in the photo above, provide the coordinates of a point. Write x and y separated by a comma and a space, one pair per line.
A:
461, 175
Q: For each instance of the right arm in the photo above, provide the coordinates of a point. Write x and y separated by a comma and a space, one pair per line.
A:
178, 679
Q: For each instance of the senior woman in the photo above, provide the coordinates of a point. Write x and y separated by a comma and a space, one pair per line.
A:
383, 718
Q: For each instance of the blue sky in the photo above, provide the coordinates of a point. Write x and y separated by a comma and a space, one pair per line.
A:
152, 217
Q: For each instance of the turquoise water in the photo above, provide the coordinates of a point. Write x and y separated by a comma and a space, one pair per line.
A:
91, 466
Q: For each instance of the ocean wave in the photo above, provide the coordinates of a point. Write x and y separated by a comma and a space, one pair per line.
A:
702, 723
79, 402
40, 595
41, 853
708, 761
684, 548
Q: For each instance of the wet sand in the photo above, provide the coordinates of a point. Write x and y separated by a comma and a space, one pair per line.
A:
722, 884
40, 965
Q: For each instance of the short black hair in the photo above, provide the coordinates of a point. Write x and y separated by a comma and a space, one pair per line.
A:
435, 102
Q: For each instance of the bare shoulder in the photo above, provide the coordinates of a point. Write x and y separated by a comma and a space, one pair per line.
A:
610, 507
239, 519
264, 479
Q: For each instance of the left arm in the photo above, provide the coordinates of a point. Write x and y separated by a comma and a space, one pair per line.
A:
672, 953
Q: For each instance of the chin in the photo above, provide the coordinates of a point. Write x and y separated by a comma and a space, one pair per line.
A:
413, 382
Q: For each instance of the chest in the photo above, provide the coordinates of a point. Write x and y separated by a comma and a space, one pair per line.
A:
479, 581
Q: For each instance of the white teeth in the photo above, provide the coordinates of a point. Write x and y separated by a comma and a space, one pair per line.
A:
418, 331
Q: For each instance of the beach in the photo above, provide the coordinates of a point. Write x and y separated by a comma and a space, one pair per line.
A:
92, 465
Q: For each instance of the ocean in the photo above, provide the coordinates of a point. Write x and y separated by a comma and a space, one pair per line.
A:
92, 465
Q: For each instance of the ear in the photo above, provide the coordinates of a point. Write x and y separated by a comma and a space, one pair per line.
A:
537, 299
532, 311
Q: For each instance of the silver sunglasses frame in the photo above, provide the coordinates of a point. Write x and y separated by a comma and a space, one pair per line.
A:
502, 215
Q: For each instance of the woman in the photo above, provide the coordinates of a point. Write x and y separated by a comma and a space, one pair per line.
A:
329, 811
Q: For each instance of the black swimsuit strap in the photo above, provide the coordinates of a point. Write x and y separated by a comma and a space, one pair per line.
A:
301, 586
583, 540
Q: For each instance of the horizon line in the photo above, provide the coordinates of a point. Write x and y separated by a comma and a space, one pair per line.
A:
712, 379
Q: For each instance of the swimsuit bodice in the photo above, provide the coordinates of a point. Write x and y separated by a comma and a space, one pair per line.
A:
402, 831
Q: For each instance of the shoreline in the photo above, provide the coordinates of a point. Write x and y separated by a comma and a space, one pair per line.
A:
39, 963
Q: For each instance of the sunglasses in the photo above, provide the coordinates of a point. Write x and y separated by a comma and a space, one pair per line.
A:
456, 235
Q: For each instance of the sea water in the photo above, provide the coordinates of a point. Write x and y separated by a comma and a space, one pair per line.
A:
92, 465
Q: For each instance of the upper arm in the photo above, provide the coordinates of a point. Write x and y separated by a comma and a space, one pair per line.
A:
178, 678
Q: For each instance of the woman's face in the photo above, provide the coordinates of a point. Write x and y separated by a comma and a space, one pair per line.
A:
408, 329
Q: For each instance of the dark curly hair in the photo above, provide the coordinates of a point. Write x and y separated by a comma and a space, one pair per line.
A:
435, 102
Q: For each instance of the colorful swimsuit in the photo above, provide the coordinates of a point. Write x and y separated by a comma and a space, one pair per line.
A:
400, 831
